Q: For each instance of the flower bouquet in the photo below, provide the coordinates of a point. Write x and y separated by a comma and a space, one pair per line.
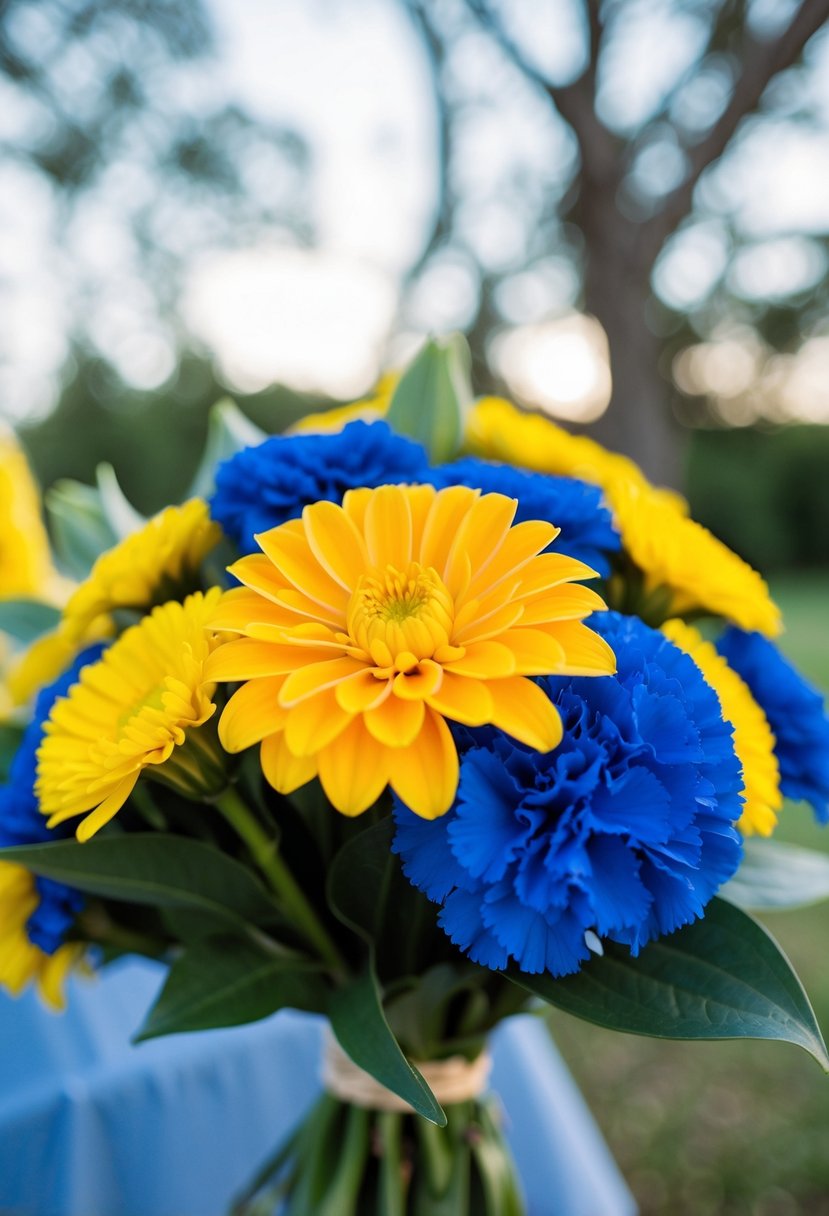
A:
419, 716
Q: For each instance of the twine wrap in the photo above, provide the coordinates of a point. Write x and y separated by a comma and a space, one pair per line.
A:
453, 1080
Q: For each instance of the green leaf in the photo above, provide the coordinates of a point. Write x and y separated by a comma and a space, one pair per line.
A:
26, 620
153, 868
774, 876
119, 512
230, 981
79, 526
358, 1021
359, 879
432, 396
228, 431
722, 977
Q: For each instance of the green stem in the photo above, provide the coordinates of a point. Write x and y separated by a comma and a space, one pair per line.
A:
264, 851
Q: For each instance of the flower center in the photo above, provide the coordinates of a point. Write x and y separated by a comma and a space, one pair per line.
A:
407, 611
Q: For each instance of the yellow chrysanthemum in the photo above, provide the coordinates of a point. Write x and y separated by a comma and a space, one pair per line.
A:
673, 552
130, 710
25, 561
753, 738
699, 571
369, 409
497, 430
22, 962
152, 565
366, 626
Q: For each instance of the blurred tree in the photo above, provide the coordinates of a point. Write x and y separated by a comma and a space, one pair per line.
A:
105, 102
623, 194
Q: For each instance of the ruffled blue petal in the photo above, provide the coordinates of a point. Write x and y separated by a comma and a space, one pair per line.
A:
625, 830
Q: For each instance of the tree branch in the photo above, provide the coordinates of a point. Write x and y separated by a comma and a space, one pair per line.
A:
575, 102
761, 62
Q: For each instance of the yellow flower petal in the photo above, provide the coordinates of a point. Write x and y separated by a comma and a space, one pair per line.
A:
362, 691
282, 769
388, 528
425, 775
396, 723
419, 682
288, 548
107, 809
305, 681
483, 660
534, 651
462, 699
335, 543
354, 769
586, 653
252, 713
523, 711
313, 723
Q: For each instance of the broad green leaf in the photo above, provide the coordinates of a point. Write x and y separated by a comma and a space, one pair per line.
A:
26, 620
118, 510
722, 977
228, 431
358, 1021
79, 527
368, 891
774, 876
359, 879
229, 981
432, 396
153, 868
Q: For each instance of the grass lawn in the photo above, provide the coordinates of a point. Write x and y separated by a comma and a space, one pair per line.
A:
727, 1129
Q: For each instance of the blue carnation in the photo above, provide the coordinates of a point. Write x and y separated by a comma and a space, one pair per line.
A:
795, 711
21, 821
266, 485
626, 829
587, 531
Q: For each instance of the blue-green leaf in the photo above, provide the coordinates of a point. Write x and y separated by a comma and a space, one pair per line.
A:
432, 397
25, 620
228, 431
358, 1021
79, 527
722, 977
774, 876
118, 510
230, 981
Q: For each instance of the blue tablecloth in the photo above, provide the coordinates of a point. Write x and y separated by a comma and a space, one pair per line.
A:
92, 1126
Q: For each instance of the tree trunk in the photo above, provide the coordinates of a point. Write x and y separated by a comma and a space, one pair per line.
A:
639, 421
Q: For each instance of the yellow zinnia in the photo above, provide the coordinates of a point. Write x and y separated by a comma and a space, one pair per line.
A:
21, 961
367, 625
697, 570
130, 710
148, 567
497, 430
753, 738
674, 553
